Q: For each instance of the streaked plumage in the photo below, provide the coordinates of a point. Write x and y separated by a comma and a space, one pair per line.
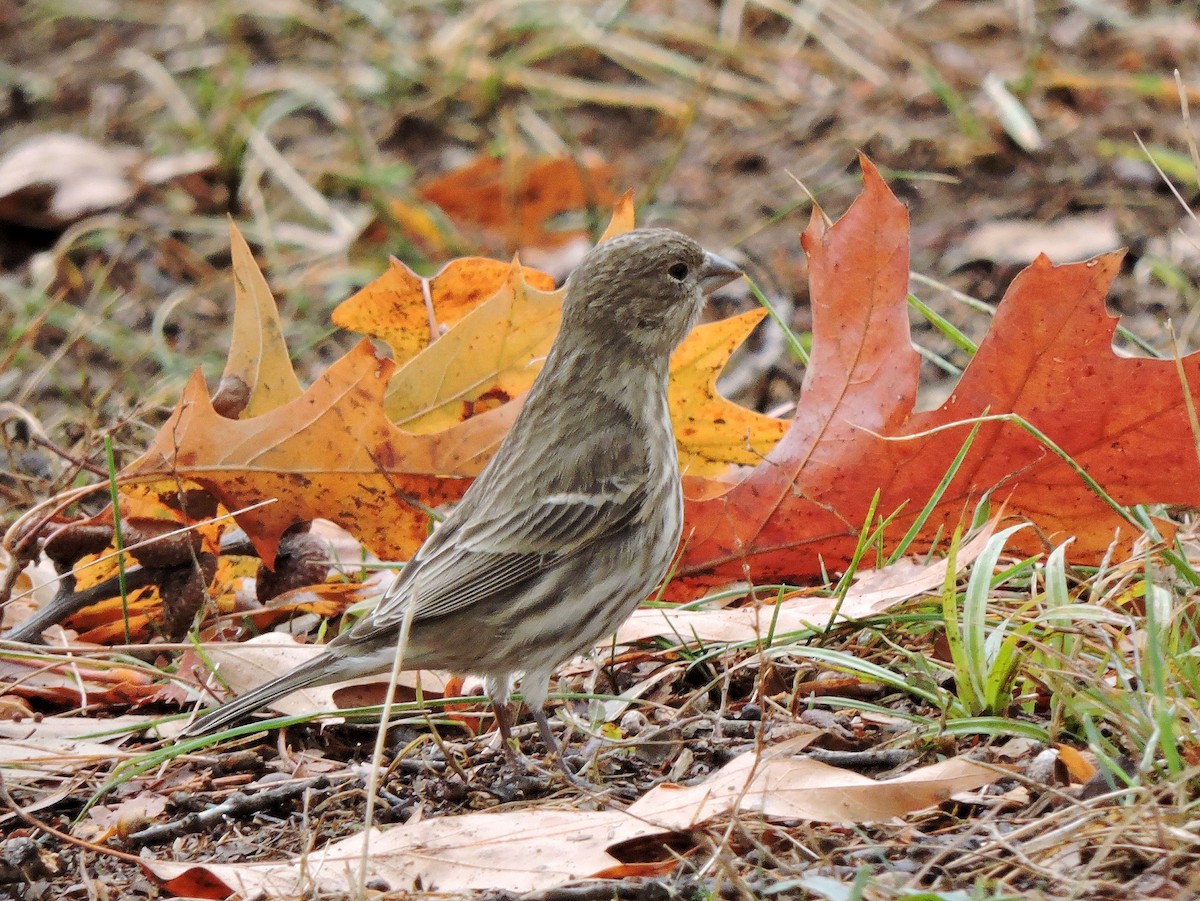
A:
575, 518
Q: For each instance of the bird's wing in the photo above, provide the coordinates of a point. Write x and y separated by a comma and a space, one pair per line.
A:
491, 552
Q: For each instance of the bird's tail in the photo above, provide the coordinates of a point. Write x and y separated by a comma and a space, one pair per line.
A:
316, 671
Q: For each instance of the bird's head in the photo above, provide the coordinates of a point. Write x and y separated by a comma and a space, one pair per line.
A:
646, 285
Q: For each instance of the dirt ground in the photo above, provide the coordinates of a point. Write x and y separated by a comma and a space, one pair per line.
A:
105, 315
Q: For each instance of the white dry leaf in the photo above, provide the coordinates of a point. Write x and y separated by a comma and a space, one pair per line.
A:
54, 179
1018, 124
245, 665
540, 847
874, 592
1020, 241
32, 752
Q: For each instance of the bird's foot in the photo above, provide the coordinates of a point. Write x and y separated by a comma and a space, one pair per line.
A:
555, 749
520, 762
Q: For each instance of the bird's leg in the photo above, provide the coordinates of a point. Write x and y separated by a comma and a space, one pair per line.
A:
535, 687
553, 747
498, 689
503, 715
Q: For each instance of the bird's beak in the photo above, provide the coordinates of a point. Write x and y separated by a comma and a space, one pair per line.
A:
715, 272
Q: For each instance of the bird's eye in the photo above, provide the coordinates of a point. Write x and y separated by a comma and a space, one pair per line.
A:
678, 272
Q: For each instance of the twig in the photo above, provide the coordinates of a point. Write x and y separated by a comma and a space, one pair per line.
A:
237, 804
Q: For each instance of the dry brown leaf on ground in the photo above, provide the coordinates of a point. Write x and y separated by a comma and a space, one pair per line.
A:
38, 758
777, 784
122, 817
33, 752
519, 851
1048, 358
240, 666
330, 452
70, 682
528, 850
517, 198
873, 592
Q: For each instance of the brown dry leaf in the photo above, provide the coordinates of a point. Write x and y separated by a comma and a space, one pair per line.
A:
536, 849
36, 758
409, 312
258, 373
871, 594
1048, 358
71, 683
519, 851
122, 817
326, 600
778, 785
331, 453
244, 665
516, 198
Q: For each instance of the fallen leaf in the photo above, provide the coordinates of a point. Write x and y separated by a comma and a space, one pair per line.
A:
53, 179
72, 682
244, 665
1019, 241
796, 788
516, 198
536, 849
330, 452
1079, 768
1047, 358
409, 312
872, 593
490, 357
713, 432
37, 758
258, 367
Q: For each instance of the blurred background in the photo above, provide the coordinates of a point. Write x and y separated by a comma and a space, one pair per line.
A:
338, 133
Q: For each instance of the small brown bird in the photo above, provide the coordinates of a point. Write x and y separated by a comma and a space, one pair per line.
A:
574, 520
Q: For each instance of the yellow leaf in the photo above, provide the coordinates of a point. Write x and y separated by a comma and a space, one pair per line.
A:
622, 217
258, 371
410, 312
492, 356
494, 352
713, 432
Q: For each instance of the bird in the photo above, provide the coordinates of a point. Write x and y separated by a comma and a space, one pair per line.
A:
574, 520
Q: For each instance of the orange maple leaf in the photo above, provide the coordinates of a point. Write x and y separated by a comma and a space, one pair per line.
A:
332, 453
518, 197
